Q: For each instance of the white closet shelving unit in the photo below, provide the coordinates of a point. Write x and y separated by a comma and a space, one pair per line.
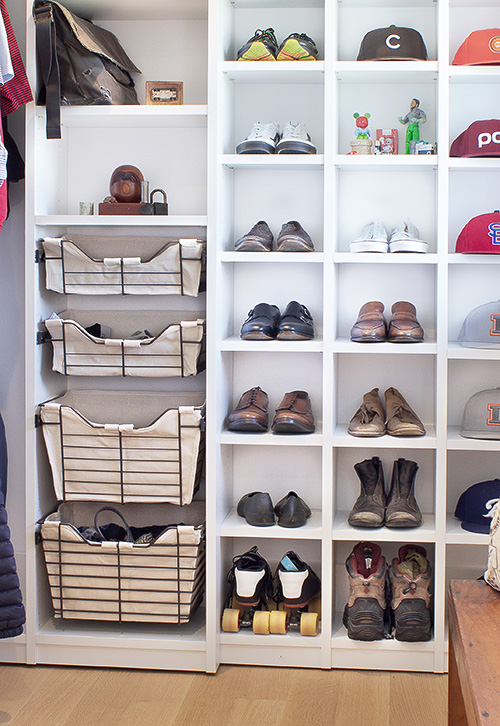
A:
333, 195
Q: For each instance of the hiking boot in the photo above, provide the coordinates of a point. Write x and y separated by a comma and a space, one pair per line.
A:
294, 238
251, 412
369, 507
403, 325
258, 239
257, 508
401, 419
262, 139
369, 419
263, 46
410, 578
402, 509
298, 46
365, 614
373, 238
295, 140
370, 326
405, 238
294, 414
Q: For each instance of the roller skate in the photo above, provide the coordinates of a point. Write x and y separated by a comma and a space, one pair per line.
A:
250, 580
297, 597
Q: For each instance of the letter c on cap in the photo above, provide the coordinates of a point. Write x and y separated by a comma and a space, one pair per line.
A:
483, 140
393, 45
496, 137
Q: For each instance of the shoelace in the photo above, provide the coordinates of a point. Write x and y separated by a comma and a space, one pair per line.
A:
294, 131
267, 34
302, 36
259, 130
252, 401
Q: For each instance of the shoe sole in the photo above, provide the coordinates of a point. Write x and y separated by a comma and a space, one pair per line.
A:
405, 246
406, 431
408, 338
293, 244
369, 246
247, 425
289, 335
365, 519
256, 335
291, 426
293, 50
257, 52
293, 146
412, 621
367, 338
250, 244
365, 434
256, 147
364, 620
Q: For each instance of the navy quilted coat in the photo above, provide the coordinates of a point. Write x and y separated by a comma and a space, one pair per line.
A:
12, 616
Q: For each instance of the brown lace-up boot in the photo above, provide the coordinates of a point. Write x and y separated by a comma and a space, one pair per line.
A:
410, 578
365, 612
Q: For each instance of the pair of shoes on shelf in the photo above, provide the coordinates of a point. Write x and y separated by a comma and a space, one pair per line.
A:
292, 238
265, 322
266, 138
263, 46
293, 416
386, 600
289, 600
374, 508
399, 418
405, 237
257, 508
371, 327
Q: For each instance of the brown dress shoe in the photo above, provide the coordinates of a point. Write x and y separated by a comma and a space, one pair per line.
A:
369, 419
404, 326
401, 420
294, 414
370, 327
251, 412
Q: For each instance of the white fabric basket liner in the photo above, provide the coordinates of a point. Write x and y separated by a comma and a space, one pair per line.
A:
150, 266
158, 582
125, 446
173, 349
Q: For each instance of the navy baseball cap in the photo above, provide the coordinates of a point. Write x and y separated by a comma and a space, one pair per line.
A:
475, 506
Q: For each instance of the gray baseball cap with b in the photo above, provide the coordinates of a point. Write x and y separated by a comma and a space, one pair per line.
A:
481, 327
481, 417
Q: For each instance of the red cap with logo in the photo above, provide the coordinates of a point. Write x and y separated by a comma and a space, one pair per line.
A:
482, 138
482, 47
481, 235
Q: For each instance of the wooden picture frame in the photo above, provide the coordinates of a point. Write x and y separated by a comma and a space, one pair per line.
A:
164, 93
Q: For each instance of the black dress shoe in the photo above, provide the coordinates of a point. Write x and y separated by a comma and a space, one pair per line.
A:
257, 508
292, 511
296, 323
262, 323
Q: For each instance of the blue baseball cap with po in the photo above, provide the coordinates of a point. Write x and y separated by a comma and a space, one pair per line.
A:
475, 506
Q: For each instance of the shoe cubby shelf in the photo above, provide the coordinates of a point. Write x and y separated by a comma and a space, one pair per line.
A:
218, 195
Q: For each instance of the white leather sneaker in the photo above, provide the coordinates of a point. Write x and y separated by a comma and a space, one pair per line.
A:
405, 238
295, 140
373, 238
262, 139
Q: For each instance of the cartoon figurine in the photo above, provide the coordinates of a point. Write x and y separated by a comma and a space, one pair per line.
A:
413, 118
361, 130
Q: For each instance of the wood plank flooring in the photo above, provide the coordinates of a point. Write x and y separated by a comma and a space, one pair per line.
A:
235, 696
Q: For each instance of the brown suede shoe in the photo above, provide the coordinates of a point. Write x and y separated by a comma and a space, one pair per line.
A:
370, 327
251, 412
369, 419
404, 326
294, 414
401, 420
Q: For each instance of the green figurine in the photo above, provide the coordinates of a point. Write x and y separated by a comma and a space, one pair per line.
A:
413, 118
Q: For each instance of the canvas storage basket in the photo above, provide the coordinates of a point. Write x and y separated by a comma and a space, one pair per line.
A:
171, 349
160, 582
123, 266
125, 446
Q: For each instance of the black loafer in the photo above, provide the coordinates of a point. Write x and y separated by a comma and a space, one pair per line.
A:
296, 323
257, 508
262, 323
292, 511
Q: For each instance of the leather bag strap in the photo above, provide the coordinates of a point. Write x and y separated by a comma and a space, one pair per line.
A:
49, 67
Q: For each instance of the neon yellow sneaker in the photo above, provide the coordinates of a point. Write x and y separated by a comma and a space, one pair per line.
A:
298, 46
263, 46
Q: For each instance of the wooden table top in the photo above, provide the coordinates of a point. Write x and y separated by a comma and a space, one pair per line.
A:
474, 612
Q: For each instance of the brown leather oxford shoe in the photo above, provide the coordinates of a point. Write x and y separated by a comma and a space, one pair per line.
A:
370, 327
404, 326
294, 414
251, 412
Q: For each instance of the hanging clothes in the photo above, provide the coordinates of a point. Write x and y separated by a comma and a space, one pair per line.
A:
16, 92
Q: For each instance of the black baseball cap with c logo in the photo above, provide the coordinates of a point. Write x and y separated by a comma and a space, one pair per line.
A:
392, 43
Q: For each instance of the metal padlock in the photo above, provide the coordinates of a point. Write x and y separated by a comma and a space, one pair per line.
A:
155, 207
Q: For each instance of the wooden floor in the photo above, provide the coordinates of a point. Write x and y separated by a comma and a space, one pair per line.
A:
235, 696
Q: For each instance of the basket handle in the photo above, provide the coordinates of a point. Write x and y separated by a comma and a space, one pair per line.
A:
129, 537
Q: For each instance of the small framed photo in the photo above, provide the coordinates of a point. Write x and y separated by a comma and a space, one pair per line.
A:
164, 93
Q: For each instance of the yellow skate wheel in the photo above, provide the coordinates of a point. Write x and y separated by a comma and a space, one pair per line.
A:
309, 624
261, 622
315, 606
231, 620
278, 621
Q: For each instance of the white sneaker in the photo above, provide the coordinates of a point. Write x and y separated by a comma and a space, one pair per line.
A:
405, 238
295, 140
262, 139
373, 238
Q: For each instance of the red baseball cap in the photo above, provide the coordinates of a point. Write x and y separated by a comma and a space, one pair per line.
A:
482, 47
482, 138
481, 235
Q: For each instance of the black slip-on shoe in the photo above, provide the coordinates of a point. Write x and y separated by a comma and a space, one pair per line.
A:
257, 508
292, 511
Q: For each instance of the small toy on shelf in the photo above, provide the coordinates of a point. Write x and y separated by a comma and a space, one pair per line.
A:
362, 144
413, 118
